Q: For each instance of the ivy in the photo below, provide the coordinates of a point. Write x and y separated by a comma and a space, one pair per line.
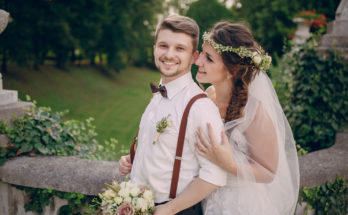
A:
44, 132
328, 199
313, 90
39, 198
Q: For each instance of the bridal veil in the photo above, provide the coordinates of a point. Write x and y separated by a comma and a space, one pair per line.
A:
267, 179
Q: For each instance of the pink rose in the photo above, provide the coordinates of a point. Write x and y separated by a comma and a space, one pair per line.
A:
125, 209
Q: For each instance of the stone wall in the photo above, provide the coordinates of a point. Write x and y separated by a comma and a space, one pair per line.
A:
73, 174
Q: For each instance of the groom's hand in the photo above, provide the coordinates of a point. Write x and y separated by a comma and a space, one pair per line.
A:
125, 165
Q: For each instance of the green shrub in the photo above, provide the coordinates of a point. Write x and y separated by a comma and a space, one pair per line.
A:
313, 90
328, 199
41, 131
39, 198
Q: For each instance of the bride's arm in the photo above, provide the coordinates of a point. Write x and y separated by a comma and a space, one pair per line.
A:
262, 146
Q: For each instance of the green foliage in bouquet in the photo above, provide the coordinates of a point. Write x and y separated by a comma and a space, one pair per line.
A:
329, 199
314, 94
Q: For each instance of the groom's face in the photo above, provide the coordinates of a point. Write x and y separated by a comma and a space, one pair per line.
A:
173, 54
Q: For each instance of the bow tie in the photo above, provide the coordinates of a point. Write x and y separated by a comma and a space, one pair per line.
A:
162, 89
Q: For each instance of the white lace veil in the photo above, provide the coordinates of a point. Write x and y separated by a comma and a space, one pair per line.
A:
267, 180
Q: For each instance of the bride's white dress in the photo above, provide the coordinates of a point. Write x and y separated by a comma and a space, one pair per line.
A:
259, 189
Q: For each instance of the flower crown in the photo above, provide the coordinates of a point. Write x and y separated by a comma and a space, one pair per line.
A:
261, 61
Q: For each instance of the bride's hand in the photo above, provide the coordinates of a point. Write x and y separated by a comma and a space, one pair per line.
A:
220, 154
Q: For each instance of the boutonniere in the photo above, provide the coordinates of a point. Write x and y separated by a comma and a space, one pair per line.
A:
161, 126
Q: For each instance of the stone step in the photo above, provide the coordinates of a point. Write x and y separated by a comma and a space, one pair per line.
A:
334, 41
337, 27
8, 97
14, 109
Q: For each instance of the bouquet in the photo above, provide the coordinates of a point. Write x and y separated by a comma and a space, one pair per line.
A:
127, 198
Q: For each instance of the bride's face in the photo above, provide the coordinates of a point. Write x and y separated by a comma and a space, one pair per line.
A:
211, 68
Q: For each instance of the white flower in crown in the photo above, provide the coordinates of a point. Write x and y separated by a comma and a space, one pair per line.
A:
257, 59
161, 126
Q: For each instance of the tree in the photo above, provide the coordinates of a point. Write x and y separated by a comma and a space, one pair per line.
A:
217, 11
271, 20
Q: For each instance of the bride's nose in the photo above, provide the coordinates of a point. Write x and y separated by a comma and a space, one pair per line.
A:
198, 61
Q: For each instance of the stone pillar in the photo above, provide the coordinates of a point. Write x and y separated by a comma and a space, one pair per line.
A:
9, 105
336, 37
3, 23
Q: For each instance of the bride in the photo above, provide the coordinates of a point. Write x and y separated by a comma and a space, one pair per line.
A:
258, 150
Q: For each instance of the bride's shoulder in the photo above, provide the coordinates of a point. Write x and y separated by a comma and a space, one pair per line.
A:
211, 92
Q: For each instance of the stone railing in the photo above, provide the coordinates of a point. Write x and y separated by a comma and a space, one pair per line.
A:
73, 174
321, 166
66, 174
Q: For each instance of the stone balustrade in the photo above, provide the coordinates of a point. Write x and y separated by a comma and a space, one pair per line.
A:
73, 174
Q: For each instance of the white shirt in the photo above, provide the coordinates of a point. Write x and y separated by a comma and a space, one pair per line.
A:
153, 162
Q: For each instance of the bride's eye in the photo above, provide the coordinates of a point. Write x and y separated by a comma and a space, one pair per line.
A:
209, 59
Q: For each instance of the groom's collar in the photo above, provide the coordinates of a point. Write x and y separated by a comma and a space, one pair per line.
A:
175, 86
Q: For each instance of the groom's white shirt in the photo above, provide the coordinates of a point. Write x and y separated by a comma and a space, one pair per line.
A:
153, 163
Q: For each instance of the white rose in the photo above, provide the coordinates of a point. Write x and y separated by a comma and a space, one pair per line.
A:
135, 191
148, 196
141, 204
118, 200
123, 185
109, 194
257, 59
253, 54
123, 193
127, 199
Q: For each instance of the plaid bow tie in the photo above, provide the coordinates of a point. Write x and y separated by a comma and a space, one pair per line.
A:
162, 89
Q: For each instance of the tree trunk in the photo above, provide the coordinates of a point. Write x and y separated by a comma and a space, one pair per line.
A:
4, 61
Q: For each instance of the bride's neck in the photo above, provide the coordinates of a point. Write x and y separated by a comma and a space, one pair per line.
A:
223, 92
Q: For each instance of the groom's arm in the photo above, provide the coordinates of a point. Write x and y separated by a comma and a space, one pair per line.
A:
210, 176
193, 193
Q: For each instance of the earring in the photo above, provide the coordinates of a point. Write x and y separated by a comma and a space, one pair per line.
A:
229, 77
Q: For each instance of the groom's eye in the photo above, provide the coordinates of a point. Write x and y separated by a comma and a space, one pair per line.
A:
163, 46
180, 49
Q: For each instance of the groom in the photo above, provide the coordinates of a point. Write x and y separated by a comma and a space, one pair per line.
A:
175, 50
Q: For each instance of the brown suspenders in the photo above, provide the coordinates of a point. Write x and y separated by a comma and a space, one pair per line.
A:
179, 147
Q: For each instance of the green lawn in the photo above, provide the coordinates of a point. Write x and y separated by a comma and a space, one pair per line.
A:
116, 101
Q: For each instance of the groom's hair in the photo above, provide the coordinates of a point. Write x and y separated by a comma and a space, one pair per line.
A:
180, 24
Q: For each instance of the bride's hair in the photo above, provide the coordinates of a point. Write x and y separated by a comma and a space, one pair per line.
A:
242, 69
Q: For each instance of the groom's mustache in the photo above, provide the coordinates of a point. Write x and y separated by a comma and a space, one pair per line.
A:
171, 60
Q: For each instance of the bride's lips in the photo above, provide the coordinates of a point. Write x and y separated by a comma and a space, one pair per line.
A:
201, 72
